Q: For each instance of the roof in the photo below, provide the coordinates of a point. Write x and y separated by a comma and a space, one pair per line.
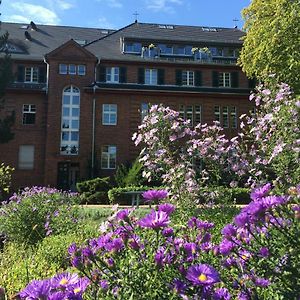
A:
45, 38
109, 47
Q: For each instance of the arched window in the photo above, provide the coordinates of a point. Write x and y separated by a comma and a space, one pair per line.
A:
70, 116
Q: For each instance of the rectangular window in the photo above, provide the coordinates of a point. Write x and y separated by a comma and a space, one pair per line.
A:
26, 157
108, 157
81, 70
144, 110
188, 78
29, 111
151, 76
72, 69
217, 113
191, 112
112, 74
133, 47
109, 114
225, 117
63, 69
32, 74
233, 117
224, 79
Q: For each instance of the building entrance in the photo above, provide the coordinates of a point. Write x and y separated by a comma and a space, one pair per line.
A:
67, 176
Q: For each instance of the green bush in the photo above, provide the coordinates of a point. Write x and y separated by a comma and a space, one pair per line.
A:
38, 212
5, 179
19, 265
94, 191
223, 195
129, 176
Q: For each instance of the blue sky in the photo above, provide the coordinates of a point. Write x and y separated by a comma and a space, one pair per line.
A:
118, 13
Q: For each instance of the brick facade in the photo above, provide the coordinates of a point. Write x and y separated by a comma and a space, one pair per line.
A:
53, 168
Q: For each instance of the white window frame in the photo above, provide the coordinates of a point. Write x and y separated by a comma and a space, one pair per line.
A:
225, 79
188, 78
63, 69
112, 74
28, 109
191, 112
233, 117
217, 113
81, 70
225, 117
108, 152
151, 76
144, 110
26, 157
109, 110
32, 73
73, 66
70, 146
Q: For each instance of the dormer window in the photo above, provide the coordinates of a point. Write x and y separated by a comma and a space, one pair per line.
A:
32, 74
112, 74
132, 47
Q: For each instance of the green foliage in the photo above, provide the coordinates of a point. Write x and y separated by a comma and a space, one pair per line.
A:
6, 76
34, 214
94, 190
224, 195
5, 179
272, 43
129, 176
49, 257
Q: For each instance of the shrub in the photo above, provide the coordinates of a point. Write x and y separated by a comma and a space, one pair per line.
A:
94, 190
224, 195
38, 212
5, 179
47, 258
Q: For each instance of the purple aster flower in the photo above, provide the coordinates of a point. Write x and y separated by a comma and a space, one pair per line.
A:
36, 289
261, 191
116, 245
264, 252
202, 274
271, 201
155, 195
221, 294
168, 232
178, 286
123, 214
64, 279
155, 220
262, 282
228, 231
80, 286
167, 208
104, 284
241, 219
190, 249
225, 247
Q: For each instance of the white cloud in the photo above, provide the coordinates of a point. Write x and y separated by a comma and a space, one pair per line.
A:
112, 3
36, 13
63, 5
16, 19
104, 23
162, 5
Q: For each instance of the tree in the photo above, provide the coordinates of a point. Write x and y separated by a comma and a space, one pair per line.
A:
272, 43
6, 121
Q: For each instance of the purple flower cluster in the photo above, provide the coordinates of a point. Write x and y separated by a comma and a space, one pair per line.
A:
61, 287
155, 195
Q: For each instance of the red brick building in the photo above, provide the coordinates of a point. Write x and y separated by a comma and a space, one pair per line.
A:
80, 93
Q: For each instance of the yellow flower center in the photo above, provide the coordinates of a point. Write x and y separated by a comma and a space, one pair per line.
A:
77, 290
63, 281
244, 257
202, 277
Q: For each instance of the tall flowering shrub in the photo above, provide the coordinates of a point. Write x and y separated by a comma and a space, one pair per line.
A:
271, 136
38, 212
172, 149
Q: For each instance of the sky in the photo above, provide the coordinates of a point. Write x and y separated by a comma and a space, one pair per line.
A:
115, 14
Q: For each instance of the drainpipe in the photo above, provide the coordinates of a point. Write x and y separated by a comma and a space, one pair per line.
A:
94, 120
47, 75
